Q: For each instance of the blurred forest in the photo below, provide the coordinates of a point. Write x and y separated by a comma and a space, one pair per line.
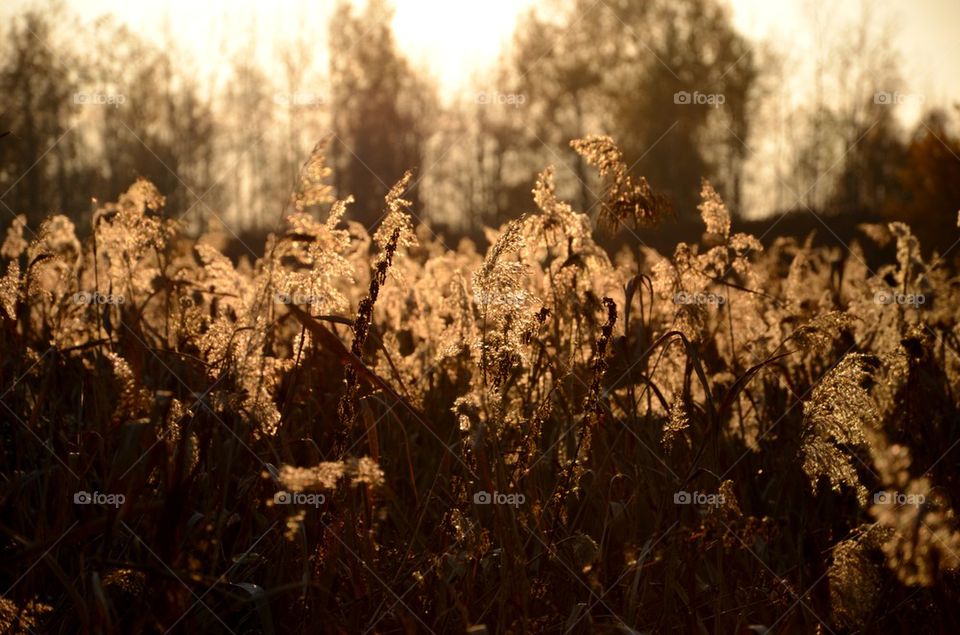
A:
91, 106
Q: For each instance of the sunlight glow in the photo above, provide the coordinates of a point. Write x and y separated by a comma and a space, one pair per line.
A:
456, 40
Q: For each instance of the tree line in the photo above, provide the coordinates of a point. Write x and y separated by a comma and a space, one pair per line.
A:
92, 106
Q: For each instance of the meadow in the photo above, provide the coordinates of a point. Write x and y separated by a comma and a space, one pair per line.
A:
378, 432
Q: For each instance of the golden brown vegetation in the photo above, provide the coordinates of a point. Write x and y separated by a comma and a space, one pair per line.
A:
727, 437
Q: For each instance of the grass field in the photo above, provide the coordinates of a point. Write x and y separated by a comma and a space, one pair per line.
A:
382, 433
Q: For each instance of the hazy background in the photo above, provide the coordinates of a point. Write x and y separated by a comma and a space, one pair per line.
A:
453, 40
843, 113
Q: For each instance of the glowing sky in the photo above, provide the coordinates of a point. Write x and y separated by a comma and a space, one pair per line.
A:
453, 38
924, 33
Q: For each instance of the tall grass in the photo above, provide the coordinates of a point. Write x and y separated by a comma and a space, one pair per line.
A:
358, 433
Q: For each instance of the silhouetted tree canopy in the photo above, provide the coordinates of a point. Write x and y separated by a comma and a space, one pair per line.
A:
380, 107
